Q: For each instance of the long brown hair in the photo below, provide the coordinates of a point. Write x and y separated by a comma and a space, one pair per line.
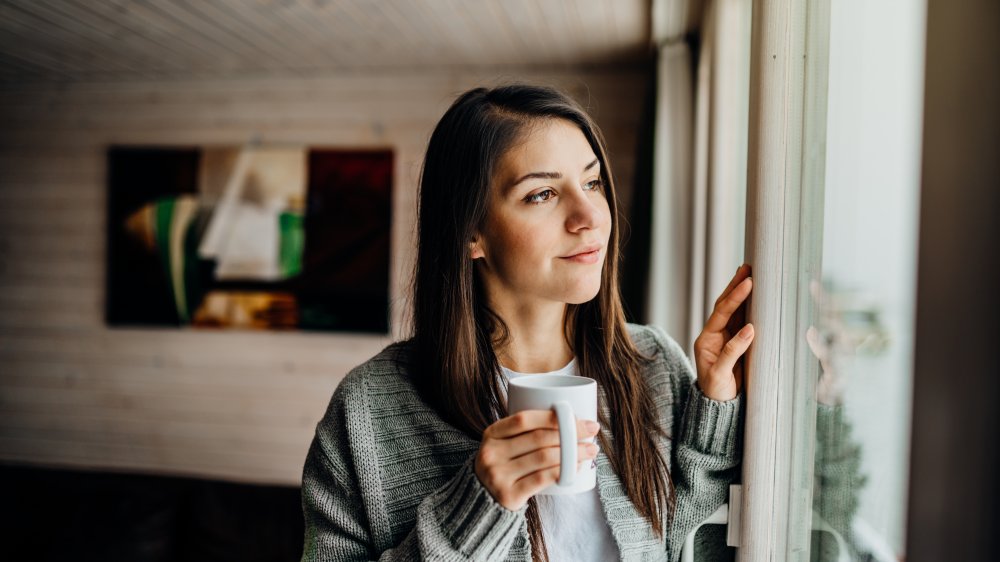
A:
455, 332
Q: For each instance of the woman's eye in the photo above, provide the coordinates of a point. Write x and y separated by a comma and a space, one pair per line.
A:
540, 197
594, 185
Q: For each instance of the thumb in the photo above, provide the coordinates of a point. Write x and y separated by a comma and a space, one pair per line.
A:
734, 349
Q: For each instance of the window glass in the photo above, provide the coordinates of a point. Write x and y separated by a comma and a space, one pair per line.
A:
858, 284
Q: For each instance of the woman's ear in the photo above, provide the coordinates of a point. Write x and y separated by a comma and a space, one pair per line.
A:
476, 248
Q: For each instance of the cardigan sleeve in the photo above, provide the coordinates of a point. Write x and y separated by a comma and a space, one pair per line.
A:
707, 448
838, 479
458, 521
706, 460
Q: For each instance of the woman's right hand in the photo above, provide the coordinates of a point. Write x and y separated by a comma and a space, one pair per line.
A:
519, 455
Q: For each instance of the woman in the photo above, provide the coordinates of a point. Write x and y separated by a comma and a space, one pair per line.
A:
516, 273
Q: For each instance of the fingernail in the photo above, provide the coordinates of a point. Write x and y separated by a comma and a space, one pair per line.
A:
746, 332
592, 426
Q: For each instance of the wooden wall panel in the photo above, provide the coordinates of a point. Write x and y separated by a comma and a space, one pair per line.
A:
80, 40
231, 405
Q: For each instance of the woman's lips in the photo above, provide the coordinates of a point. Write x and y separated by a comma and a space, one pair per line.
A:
585, 258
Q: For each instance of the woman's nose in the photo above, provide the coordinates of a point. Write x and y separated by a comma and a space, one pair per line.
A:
585, 212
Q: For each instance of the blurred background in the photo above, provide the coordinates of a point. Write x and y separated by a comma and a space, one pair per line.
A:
207, 218
145, 414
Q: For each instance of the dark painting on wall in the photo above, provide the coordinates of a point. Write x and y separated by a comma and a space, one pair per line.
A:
250, 238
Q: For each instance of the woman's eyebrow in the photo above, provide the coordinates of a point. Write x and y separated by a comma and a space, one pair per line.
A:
545, 175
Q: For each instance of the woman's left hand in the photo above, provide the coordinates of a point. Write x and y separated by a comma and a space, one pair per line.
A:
719, 349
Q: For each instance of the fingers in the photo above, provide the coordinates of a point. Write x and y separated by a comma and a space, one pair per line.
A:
535, 482
587, 428
542, 438
742, 272
547, 458
727, 304
734, 349
531, 420
512, 482
817, 347
532, 479
522, 422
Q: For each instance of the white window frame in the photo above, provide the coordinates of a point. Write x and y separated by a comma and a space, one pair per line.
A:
786, 151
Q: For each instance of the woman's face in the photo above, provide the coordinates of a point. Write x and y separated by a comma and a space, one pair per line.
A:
546, 233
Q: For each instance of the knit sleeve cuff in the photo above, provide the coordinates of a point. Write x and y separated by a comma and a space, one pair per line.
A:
477, 524
712, 427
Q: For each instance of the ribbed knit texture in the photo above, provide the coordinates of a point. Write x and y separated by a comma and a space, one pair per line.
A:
387, 479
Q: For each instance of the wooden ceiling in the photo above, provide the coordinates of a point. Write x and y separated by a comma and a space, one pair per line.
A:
82, 40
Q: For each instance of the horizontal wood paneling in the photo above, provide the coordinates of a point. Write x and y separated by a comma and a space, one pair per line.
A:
72, 40
231, 405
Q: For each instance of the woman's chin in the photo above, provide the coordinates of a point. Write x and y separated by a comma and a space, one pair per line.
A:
584, 293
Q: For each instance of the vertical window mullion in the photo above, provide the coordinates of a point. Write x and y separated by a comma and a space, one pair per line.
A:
774, 181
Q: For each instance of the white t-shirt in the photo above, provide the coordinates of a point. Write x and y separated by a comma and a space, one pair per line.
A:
574, 527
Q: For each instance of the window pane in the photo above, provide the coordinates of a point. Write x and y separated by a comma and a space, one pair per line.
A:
862, 322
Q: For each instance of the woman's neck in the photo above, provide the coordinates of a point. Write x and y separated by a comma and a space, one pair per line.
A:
537, 340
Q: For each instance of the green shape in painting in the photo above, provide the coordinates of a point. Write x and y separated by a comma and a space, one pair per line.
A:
291, 225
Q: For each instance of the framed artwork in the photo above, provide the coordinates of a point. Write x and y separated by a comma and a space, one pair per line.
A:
252, 237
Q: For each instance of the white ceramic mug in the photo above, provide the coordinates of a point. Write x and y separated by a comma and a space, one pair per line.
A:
572, 398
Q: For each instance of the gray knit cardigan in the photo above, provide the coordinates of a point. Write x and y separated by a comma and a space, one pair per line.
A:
387, 479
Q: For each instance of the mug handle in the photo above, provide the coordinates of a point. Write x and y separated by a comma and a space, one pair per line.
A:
567, 442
